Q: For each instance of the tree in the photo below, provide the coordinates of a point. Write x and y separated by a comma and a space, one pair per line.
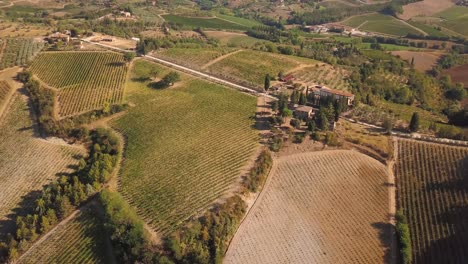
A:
24, 76
303, 99
171, 78
267, 82
321, 120
128, 56
275, 106
414, 123
286, 112
412, 61
388, 125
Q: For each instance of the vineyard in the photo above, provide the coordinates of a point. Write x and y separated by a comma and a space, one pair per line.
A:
433, 192
195, 58
5, 89
26, 161
185, 148
318, 207
323, 74
82, 240
18, 51
86, 80
252, 66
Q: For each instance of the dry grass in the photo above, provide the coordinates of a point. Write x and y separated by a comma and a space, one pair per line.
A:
318, 207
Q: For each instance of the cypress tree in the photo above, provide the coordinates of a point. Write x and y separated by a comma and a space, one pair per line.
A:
414, 123
267, 82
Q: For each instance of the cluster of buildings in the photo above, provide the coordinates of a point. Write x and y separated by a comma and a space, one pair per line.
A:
306, 112
336, 28
65, 38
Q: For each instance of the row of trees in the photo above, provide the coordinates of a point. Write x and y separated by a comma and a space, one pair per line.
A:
58, 199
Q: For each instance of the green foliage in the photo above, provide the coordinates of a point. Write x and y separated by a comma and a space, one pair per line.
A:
267, 82
404, 238
205, 240
259, 172
414, 123
171, 78
126, 230
128, 56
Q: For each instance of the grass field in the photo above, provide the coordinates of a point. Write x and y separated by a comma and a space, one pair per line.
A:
381, 24
431, 31
82, 240
27, 162
318, 207
456, 19
86, 80
432, 191
193, 57
185, 147
234, 39
239, 20
205, 22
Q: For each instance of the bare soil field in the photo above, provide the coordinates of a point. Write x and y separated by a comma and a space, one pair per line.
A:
459, 74
423, 61
318, 207
425, 8
27, 162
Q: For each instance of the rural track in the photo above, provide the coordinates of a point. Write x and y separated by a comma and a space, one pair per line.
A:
191, 71
417, 137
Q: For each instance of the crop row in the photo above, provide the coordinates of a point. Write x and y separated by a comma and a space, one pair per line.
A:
434, 199
27, 162
316, 203
87, 80
4, 91
323, 75
18, 51
186, 146
82, 240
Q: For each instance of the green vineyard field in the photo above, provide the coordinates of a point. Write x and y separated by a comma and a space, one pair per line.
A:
18, 51
86, 80
433, 192
82, 240
185, 146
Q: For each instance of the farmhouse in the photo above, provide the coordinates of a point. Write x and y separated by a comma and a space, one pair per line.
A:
317, 29
304, 112
320, 91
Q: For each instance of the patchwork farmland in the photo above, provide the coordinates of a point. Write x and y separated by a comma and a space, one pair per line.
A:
85, 80
179, 161
27, 162
318, 207
431, 181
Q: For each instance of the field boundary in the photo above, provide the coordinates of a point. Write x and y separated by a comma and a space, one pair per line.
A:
415, 136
